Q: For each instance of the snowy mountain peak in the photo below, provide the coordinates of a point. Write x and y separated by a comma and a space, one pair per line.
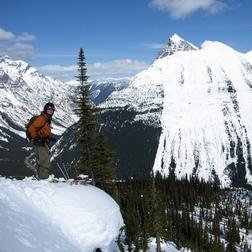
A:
202, 99
175, 44
176, 38
8, 59
3, 57
17, 68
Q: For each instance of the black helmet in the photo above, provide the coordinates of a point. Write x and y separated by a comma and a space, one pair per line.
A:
49, 105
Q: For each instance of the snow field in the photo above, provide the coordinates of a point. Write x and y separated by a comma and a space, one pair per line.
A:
43, 216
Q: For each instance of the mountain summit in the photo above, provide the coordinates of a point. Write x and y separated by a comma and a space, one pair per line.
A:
176, 44
202, 100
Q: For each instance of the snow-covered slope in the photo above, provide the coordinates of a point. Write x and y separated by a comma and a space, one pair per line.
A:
248, 56
202, 99
24, 92
207, 127
42, 216
145, 93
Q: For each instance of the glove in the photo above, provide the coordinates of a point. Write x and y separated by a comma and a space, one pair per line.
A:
39, 141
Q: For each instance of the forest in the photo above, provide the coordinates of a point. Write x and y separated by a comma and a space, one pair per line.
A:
194, 214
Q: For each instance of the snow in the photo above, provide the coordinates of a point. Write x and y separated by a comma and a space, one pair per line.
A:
174, 45
49, 217
201, 98
176, 38
25, 91
195, 94
248, 56
165, 247
145, 92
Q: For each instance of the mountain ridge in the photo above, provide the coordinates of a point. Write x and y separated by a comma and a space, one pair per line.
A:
24, 92
207, 90
189, 112
25, 87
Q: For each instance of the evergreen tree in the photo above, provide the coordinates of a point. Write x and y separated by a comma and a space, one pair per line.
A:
233, 236
96, 159
166, 211
129, 209
104, 170
216, 231
156, 213
87, 125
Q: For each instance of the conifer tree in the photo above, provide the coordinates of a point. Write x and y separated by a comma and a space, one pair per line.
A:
96, 159
232, 235
156, 213
87, 125
104, 170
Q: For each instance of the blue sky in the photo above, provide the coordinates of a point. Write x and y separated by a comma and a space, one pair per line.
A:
120, 37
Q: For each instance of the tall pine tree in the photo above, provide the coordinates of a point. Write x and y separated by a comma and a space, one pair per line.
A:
96, 159
87, 125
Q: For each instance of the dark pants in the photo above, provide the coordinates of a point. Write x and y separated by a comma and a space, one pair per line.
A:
43, 161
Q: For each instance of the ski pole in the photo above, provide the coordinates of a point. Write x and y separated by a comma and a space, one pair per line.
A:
62, 171
66, 171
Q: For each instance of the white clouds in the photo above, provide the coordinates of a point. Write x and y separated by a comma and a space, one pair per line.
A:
53, 55
124, 67
153, 46
116, 68
111, 69
26, 37
182, 8
9, 36
5, 35
16, 46
18, 51
19, 46
63, 73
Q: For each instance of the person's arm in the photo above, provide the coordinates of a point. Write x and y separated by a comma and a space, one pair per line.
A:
37, 125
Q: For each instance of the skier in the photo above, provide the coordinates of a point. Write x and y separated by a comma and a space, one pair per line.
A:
40, 132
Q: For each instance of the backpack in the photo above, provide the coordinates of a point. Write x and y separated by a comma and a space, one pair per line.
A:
28, 125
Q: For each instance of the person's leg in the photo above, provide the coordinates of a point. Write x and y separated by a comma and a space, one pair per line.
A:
43, 159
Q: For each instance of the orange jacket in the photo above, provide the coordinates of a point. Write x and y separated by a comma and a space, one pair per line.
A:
40, 127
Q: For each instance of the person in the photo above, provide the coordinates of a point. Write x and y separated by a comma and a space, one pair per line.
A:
40, 131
